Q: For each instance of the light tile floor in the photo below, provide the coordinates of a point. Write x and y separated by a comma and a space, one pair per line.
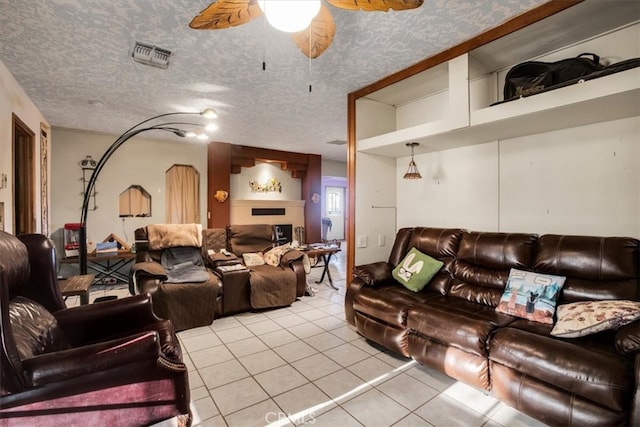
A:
304, 364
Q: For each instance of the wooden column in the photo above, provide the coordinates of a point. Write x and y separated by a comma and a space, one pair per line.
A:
218, 178
312, 184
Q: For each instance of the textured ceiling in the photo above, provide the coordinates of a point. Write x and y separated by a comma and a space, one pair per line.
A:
67, 54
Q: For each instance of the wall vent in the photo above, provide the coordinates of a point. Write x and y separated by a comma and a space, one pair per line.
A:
151, 55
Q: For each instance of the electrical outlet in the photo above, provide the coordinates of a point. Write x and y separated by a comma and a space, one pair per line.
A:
380, 239
362, 241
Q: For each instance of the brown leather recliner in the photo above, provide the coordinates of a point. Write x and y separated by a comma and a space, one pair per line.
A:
90, 365
189, 304
268, 285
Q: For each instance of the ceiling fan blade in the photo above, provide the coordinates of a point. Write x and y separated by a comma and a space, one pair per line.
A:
376, 5
225, 14
317, 38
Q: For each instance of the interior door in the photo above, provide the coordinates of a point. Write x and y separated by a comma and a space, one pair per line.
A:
24, 178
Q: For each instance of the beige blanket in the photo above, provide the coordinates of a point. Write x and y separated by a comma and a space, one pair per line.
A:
163, 236
285, 254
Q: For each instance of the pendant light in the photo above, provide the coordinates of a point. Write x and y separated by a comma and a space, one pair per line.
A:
412, 172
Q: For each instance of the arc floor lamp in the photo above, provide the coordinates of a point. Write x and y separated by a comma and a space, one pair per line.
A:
151, 124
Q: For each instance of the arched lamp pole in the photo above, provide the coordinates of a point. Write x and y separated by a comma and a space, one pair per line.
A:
127, 135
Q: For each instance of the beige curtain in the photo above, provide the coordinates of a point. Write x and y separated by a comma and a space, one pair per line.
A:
183, 195
135, 201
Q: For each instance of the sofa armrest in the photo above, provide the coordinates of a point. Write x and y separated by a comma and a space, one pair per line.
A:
628, 338
374, 273
63, 365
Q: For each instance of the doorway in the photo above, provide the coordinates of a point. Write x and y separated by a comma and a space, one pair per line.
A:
24, 181
333, 220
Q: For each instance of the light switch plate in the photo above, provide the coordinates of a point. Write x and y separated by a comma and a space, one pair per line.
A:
362, 241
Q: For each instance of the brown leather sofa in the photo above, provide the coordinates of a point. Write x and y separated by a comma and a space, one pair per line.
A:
452, 325
259, 286
87, 365
190, 305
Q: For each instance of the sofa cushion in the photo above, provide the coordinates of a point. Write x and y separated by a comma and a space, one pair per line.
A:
596, 268
35, 330
628, 338
594, 372
416, 269
252, 259
250, 238
531, 295
387, 303
587, 317
483, 263
457, 323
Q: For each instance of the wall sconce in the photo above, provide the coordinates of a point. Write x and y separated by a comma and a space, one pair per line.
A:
221, 196
87, 163
412, 172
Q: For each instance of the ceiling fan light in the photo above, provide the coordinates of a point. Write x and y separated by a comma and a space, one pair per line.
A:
209, 113
290, 16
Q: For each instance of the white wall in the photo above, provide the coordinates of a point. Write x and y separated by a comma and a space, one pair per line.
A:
334, 168
13, 100
261, 172
583, 180
131, 164
375, 186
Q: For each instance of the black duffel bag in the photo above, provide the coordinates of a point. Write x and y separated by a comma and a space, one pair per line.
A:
532, 77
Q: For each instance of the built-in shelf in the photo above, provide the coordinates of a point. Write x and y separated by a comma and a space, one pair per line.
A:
456, 108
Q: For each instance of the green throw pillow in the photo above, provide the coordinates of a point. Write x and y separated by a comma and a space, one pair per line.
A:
416, 269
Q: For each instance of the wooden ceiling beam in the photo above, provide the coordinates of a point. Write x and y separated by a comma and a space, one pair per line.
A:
289, 166
246, 162
268, 155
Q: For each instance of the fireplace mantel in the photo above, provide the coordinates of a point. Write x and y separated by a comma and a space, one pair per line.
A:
241, 212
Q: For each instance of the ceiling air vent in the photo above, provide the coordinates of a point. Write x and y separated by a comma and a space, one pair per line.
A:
337, 142
151, 55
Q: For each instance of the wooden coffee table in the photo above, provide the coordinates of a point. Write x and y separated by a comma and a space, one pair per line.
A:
77, 285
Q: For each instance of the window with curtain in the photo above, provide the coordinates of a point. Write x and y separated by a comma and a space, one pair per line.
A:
183, 195
135, 201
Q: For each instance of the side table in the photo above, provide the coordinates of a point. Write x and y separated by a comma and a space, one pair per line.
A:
325, 253
77, 285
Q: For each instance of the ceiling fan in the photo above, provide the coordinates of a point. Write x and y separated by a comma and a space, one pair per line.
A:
313, 39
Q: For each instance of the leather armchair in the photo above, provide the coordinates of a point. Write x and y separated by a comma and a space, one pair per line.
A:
111, 363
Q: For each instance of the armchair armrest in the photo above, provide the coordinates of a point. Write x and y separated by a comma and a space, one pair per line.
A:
67, 364
94, 322
374, 273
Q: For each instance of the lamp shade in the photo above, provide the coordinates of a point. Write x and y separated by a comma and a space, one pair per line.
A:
412, 172
290, 16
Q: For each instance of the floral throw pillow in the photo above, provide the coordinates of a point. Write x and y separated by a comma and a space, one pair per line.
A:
588, 317
531, 296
